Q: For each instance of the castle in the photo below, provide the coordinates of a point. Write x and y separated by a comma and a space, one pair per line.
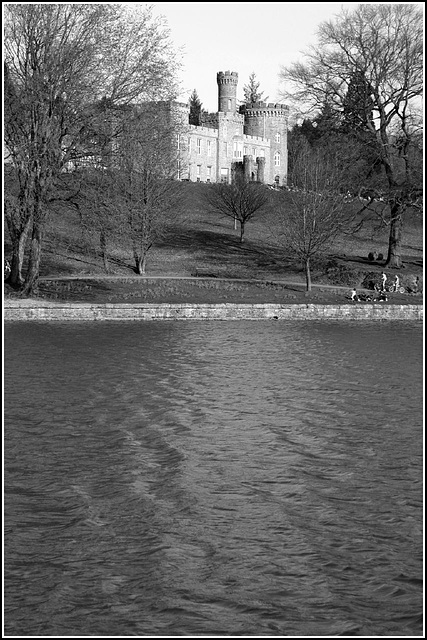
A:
253, 138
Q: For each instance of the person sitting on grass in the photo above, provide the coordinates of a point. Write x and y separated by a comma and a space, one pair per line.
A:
353, 296
381, 297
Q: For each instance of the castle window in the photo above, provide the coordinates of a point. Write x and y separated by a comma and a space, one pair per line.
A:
229, 104
245, 151
199, 146
277, 137
199, 169
208, 174
209, 149
277, 159
237, 149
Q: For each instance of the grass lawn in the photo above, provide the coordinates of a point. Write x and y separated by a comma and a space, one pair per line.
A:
201, 260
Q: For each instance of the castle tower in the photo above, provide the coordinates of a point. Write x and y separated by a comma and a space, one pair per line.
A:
227, 89
270, 121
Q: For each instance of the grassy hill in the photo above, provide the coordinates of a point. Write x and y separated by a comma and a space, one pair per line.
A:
201, 243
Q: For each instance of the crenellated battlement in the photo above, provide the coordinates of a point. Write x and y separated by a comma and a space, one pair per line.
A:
264, 105
249, 138
227, 77
264, 110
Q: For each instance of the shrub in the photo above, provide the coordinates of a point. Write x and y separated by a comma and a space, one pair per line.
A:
344, 275
371, 279
409, 281
323, 263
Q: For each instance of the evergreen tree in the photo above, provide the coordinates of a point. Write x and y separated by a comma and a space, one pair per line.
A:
322, 127
195, 109
358, 120
250, 91
358, 104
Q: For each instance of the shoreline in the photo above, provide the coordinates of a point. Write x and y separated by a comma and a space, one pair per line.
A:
40, 310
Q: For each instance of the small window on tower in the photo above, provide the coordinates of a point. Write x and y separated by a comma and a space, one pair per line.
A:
229, 104
277, 137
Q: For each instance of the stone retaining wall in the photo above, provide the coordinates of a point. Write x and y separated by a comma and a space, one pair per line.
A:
227, 311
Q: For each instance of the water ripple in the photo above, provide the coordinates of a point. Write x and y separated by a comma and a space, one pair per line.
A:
210, 479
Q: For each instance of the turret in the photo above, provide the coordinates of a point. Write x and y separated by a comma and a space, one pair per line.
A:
270, 121
227, 89
261, 169
265, 120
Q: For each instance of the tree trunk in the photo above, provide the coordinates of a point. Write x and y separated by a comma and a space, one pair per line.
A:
138, 259
19, 241
19, 221
394, 256
242, 231
32, 275
103, 243
140, 262
307, 274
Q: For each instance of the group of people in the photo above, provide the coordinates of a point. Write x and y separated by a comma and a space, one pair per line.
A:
380, 289
363, 297
394, 287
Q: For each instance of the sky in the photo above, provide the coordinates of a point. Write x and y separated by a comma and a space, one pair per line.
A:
246, 37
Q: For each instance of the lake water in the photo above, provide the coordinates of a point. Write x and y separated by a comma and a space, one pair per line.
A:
189, 478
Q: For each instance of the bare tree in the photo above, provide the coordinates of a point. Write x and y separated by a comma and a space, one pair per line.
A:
61, 60
147, 166
381, 44
316, 217
240, 200
100, 214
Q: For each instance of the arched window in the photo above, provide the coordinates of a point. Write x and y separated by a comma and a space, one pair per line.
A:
277, 137
277, 159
